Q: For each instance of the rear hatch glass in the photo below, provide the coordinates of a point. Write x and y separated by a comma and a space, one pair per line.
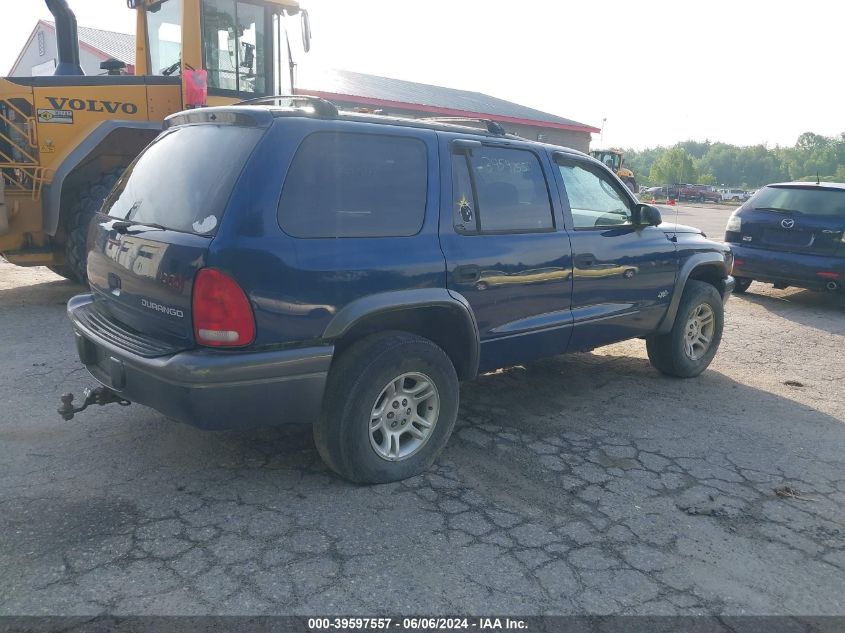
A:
184, 179
156, 226
799, 219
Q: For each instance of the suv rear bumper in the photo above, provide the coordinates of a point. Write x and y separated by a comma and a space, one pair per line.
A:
793, 269
206, 388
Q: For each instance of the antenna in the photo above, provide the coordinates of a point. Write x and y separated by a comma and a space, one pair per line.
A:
675, 235
818, 182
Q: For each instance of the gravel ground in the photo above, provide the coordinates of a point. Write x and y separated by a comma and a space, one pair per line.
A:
586, 484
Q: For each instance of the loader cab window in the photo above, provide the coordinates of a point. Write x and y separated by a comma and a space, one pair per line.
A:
235, 46
612, 161
164, 26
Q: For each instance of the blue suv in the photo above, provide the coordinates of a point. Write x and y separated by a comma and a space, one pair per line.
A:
289, 263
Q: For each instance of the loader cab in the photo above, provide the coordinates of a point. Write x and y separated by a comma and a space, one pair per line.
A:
243, 44
611, 160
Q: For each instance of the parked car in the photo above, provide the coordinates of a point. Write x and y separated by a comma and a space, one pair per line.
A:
734, 195
348, 270
790, 234
699, 193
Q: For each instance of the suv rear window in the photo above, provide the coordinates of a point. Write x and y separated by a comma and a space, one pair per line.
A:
355, 185
184, 179
804, 200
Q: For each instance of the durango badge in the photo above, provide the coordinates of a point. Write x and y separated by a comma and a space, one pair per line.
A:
152, 305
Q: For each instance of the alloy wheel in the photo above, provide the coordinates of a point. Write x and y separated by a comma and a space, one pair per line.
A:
404, 416
699, 330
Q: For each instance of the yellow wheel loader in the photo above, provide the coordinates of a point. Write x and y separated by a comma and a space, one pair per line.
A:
614, 159
65, 139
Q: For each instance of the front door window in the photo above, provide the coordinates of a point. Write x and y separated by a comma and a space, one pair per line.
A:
596, 202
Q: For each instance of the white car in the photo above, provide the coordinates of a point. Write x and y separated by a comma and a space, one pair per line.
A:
738, 195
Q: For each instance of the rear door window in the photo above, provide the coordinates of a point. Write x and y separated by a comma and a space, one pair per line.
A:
355, 185
184, 179
500, 190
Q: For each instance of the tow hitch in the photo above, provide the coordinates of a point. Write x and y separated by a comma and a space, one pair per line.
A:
100, 396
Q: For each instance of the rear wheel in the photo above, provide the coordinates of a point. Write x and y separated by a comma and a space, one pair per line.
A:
390, 405
88, 201
689, 348
742, 284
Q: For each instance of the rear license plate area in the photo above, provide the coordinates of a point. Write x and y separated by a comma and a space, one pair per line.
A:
776, 237
104, 366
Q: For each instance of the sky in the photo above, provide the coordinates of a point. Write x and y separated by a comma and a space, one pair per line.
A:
651, 72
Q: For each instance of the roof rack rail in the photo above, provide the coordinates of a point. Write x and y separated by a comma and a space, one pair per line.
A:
321, 107
494, 127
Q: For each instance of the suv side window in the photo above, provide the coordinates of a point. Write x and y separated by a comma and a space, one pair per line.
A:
500, 190
355, 185
595, 200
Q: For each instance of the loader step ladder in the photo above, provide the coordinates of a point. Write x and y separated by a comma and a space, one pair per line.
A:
20, 171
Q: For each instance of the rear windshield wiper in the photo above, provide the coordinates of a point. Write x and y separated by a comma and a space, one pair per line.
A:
777, 210
122, 226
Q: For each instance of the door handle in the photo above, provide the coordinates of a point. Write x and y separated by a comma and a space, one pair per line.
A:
467, 274
584, 261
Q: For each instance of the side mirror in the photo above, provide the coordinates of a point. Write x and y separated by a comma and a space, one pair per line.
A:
306, 30
647, 215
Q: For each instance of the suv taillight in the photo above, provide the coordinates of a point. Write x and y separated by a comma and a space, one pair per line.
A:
221, 312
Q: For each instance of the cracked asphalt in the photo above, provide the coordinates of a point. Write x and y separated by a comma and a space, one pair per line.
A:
584, 484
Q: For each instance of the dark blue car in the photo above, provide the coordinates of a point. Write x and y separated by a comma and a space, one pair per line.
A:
790, 234
280, 264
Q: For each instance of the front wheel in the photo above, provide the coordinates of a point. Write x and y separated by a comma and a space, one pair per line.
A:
690, 346
390, 405
742, 284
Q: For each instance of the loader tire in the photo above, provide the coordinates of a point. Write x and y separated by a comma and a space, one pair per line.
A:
87, 202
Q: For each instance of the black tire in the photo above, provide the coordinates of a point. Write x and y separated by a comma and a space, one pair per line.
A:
64, 271
87, 203
667, 351
742, 284
356, 380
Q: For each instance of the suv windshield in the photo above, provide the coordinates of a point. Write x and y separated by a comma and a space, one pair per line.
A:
810, 200
183, 180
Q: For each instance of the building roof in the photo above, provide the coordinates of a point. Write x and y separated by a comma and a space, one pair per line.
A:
105, 44
118, 45
340, 85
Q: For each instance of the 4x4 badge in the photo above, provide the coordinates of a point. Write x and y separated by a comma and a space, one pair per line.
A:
787, 223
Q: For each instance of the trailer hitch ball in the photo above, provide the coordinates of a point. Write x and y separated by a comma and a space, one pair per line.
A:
100, 396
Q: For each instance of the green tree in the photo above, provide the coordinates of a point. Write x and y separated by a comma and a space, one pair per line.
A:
752, 166
640, 162
673, 166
